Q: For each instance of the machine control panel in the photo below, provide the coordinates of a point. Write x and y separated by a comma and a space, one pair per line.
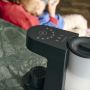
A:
51, 36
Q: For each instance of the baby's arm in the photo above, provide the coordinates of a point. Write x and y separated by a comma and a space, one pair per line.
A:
52, 7
50, 18
56, 21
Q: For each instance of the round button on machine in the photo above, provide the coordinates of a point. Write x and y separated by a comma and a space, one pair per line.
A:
42, 33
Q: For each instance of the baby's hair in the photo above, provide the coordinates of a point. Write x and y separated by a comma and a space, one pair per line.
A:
15, 1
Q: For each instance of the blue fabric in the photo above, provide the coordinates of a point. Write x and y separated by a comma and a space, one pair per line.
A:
45, 20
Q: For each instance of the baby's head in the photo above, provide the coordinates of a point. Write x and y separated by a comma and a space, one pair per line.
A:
35, 7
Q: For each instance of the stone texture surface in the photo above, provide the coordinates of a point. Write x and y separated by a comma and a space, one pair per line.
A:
15, 58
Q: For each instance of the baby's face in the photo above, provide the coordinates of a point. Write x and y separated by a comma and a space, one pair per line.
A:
35, 7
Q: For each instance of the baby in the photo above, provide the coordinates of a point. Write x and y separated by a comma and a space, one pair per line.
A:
28, 13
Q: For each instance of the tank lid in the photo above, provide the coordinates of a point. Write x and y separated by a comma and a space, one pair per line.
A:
80, 46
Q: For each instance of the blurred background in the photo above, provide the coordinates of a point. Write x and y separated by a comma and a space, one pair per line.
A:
75, 6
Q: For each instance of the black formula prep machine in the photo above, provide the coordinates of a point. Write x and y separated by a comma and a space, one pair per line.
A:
50, 43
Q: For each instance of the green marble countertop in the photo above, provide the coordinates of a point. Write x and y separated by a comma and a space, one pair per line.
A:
15, 58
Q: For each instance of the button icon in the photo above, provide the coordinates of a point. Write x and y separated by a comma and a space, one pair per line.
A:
42, 33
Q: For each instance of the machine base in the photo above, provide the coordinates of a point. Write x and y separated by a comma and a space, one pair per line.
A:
34, 79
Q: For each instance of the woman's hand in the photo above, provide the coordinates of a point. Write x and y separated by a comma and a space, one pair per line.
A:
52, 4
